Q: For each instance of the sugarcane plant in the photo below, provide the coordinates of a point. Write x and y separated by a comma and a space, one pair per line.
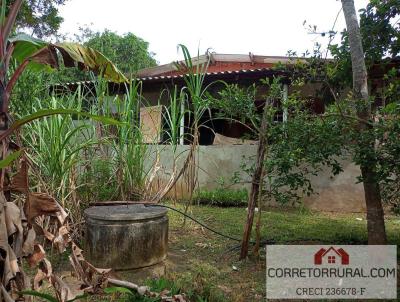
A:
194, 93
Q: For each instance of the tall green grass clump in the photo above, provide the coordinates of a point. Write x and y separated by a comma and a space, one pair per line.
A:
56, 145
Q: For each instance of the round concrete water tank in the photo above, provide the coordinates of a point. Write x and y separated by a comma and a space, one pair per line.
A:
126, 236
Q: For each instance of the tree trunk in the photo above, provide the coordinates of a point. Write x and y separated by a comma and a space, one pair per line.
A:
256, 249
255, 187
375, 215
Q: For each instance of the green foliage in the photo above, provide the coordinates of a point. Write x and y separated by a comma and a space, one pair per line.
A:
379, 29
158, 285
127, 152
194, 289
44, 296
42, 58
42, 55
235, 102
25, 46
371, 141
129, 52
173, 116
222, 197
59, 129
300, 150
297, 148
91, 152
91, 59
56, 142
40, 17
199, 283
380, 39
30, 87
9, 159
377, 144
386, 137
194, 86
99, 180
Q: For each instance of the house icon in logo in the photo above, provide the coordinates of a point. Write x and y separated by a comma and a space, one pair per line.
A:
331, 256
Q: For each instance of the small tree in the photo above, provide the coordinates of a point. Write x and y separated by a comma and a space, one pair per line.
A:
369, 116
288, 153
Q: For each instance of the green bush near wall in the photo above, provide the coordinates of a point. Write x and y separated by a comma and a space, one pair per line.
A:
222, 197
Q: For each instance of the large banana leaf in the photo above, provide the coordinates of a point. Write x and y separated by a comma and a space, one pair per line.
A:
91, 59
41, 54
25, 46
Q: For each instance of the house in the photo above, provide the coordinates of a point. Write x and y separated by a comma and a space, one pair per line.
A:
221, 150
244, 70
331, 256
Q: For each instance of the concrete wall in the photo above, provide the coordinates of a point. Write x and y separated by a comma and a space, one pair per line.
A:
340, 193
216, 163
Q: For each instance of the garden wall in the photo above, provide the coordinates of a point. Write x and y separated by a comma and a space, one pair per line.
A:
219, 163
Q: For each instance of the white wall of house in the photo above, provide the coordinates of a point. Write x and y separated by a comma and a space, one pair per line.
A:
218, 163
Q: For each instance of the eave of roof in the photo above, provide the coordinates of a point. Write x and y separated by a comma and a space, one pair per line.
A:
181, 76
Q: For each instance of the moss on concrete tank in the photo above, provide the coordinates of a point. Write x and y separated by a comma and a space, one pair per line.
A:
126, 236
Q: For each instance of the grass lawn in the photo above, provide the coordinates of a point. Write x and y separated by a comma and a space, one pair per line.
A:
207, 264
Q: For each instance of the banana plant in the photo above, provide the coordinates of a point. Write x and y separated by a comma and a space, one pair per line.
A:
36, 54
31, 53
18, 242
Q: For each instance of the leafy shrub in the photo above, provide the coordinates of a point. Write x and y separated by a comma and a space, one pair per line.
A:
222, 197
100, 182
390, 192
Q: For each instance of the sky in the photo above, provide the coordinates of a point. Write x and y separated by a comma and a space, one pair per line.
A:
263, 27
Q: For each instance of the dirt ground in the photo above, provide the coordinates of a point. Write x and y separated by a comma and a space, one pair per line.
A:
206, 266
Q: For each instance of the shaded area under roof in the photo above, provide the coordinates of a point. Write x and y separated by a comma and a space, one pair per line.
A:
177, 79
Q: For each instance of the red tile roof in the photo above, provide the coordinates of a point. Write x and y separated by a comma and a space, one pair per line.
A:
218, 63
